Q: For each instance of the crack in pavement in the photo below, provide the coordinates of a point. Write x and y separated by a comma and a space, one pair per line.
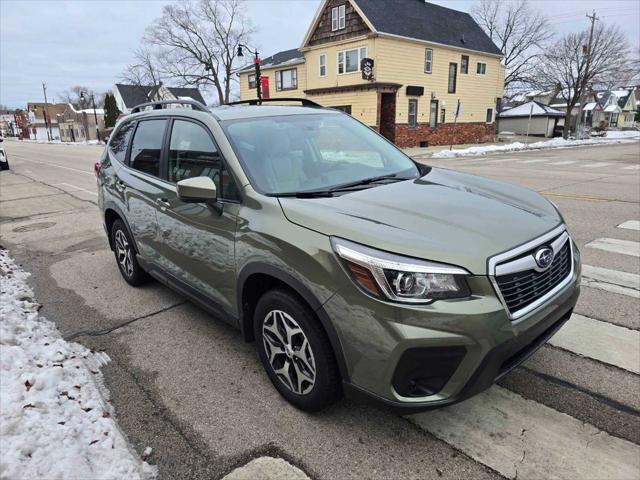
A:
106, 331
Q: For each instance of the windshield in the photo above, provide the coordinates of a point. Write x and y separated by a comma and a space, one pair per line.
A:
302, 153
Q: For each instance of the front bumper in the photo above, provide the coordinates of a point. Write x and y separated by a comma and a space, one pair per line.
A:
375, 337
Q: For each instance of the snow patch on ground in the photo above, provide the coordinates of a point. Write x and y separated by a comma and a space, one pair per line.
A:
517, 146
55, 420
632, 134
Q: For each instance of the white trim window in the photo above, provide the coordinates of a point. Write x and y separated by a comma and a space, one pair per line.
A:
252, 80
338, 18
481, 68
489, 118
412, 114
287, 79
349, 60
428, 60
323, 64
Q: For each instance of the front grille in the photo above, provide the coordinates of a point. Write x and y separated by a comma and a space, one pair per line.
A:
521, 289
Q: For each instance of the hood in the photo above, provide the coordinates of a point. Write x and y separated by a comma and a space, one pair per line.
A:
445, 216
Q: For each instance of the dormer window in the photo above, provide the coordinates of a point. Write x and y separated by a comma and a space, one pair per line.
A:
337, 18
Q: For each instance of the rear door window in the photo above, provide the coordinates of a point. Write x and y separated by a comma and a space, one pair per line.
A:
146, 148
120, 142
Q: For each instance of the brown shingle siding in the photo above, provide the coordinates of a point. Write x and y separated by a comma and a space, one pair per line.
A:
354, 25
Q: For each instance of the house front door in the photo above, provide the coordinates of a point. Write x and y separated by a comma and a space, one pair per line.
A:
388, 115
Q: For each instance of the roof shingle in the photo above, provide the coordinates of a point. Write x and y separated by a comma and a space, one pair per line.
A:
429, 22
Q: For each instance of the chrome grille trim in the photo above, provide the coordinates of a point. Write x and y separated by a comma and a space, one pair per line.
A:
499, 265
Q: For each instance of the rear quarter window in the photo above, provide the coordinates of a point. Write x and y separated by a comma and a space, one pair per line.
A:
120, 142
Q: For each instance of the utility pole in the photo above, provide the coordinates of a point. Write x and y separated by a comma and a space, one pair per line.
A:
587, 69
83, 96
47, 123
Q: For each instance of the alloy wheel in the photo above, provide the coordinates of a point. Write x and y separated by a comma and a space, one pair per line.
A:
123, 253
289, 352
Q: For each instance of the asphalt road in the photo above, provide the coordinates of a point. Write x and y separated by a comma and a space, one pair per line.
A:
187, 385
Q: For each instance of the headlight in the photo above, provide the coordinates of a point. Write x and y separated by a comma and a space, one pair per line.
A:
398, 278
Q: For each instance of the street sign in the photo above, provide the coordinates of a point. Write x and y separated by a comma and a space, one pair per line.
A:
366, 66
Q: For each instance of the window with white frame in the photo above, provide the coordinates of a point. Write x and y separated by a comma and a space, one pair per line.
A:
338, 18
323, 64
252, 80
349, 60
412, 115
287, 79
489, 115
428, 60
481, 68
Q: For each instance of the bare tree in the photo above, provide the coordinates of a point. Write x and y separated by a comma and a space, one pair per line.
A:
580, 60
73, 96
197, 42
519, 32
145, 70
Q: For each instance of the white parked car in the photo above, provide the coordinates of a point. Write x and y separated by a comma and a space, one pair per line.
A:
4, 162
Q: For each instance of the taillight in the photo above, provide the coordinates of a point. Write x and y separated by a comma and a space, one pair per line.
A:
96, 168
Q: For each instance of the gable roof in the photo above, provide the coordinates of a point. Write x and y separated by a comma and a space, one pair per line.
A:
420, 20
613, 97
535, 109
286, 57
133, 95
186, 92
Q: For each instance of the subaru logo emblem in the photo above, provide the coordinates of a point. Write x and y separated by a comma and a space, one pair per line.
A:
544, 257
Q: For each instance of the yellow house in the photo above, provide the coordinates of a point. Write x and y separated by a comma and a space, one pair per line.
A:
403, 67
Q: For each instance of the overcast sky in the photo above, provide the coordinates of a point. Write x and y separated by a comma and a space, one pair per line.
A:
89, 42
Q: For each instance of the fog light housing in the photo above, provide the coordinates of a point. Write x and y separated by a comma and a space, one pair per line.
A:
422, 372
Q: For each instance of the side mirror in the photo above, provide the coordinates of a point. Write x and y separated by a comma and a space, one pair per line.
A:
196, 190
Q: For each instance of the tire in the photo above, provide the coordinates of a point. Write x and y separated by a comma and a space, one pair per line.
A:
124, 251
287, 359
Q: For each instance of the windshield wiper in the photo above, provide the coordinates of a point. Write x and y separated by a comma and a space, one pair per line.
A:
303, 194
365, 181
339, 188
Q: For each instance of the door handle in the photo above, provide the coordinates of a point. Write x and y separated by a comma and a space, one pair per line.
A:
163, 203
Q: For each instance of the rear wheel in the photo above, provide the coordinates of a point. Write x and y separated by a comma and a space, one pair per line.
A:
125, 254
295, 351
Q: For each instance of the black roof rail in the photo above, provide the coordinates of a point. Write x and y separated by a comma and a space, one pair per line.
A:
305, 102
195, 105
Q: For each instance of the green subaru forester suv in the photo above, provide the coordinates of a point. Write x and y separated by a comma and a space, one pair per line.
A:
352, 267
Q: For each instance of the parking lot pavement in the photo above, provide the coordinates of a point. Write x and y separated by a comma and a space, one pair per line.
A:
188, 386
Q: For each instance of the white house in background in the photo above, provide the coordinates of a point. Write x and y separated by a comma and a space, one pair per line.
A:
128, 96
532, 117
619, 107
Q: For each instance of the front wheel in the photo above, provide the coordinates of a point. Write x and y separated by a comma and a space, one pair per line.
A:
125, 254
295, 351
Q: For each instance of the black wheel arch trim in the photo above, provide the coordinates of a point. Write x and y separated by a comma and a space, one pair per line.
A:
113, 206
297, 286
